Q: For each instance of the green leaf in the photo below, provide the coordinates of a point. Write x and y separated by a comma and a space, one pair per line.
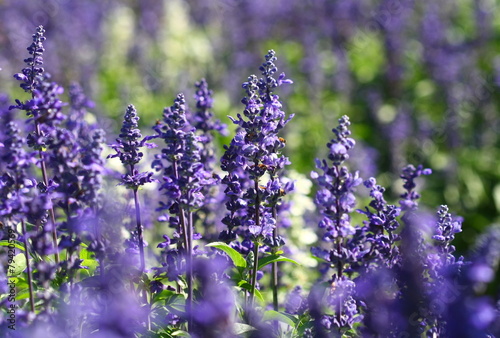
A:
180, 333
236, 257
23, 294
247, 286
85, 254
280, 316
162, 295
176, 304
240, 328
16, 244
90, 263
274, 258
17, 265
21, 283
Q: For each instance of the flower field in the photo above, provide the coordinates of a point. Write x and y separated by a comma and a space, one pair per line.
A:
236, 168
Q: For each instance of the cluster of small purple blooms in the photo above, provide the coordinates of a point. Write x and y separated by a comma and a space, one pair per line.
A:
253, 153
388, 273
393, 275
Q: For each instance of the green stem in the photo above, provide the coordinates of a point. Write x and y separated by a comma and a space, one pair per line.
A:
189, 268
254, 270
339, 243
256, 242
46, 182
28, 267
141, 244
274, 276
186, 233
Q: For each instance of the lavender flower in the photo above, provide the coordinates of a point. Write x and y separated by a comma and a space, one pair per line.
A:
410, 197
379, 231
79, 103
127, 149
30, 74
335, 198
44, 108
253, 152
255, 149
91, 147
16, 185
184, 180
336, 201
183, 175
206, 128
90, 141
204, 122
446, 228
16, 190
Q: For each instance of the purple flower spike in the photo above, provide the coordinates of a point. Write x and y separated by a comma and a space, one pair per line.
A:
29, 75
410, 197
335, 200
378, 231
254, 151
127, 148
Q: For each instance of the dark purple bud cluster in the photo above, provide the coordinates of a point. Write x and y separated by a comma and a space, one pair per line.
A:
409, 197
446, 228
127, 148
378, 236
30, 74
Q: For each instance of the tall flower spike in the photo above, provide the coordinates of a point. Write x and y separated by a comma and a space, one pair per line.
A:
206, 128
410, 197
90, 140
335, 200
256, 148
254, 152
44, 108
15, 191
127, 148
446, 228
379, 230
184, 179
128, 143
34, 69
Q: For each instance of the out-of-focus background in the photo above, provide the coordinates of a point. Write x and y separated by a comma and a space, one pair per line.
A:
419, 79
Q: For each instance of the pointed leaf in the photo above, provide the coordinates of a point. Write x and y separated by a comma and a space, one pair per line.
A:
17, 265
16, 244
274, 258
236, 257
240, 328
280, 316
247, 286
